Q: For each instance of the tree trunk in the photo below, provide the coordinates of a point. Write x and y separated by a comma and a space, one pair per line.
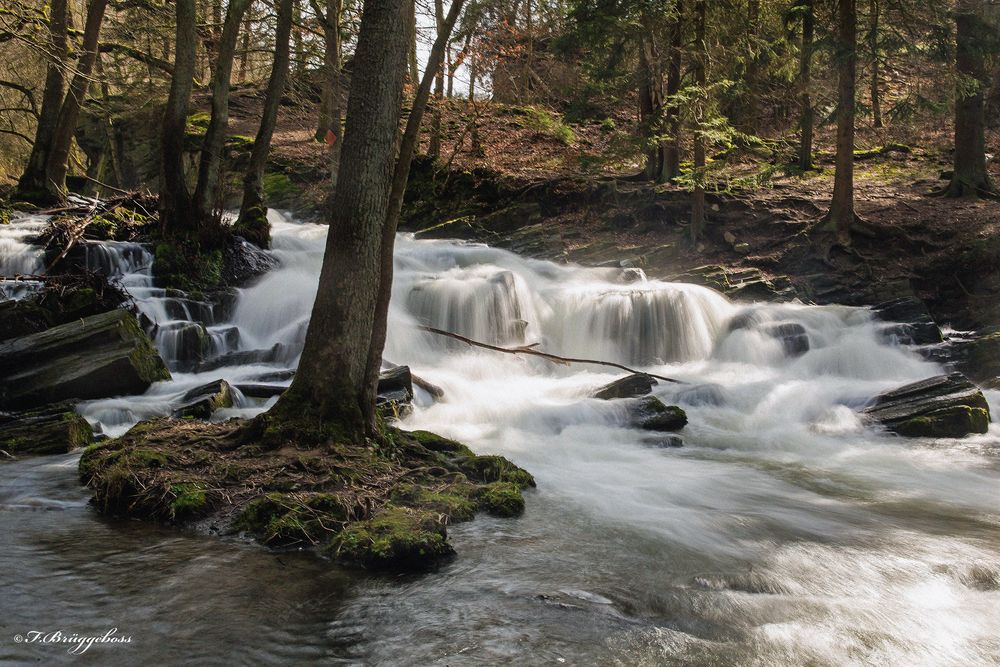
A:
647, 113
434, 148
62, 140
252, 222
300, 60
400, 177
333, 383
176, 207
245, 50
841, 217
32, 184
330, 93
672, 149
970, 177
700, 65
753, 65
210, 165
411, 56
873, 17
805, 82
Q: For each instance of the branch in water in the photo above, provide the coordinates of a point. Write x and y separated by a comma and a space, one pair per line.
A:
528, 349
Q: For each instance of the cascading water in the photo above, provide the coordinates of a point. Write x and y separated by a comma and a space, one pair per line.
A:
785, 531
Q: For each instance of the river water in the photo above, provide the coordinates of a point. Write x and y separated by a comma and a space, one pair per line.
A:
784, 531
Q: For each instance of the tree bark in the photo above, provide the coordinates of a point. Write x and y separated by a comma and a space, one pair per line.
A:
434, 148
672, 149
647, 113
252, 221
210, 165
840, 218
970, 177
329, 109
58, 161
32, 184
177, 215
411, 57
806, 114
407, 148
333, 383
700, 57
753, 65
873, 18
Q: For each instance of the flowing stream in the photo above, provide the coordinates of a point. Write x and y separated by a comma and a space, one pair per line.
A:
784, 531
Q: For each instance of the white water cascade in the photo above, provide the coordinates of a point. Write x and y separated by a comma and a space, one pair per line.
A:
785, 531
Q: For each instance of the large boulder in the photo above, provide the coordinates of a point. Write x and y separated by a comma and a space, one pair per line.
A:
944, 406
55, 429
95, 357
202, 401
651, 414
242, 261
630, 386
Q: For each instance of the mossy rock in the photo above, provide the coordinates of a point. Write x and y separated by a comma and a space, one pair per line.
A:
287, 518
186, 266
397, 538
502, 499
52, 430
280, 190
190, 500
455, 501
491, 468
954, 421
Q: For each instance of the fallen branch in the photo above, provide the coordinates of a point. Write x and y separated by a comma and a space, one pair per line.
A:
529, 349
75, 235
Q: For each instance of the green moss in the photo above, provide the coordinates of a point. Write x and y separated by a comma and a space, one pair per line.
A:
456, 500
285, 518
954, 421
398, 537
502, 499
437, 443
189, 501
197, 123
280, 190
490, 469
240, 143
144, 357
186, 266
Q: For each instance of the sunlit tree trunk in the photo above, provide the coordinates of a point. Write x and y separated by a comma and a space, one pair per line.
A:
333, 384
434, 148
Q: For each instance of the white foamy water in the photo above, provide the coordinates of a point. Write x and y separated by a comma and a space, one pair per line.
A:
785, 531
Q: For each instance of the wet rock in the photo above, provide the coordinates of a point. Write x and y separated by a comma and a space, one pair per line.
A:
96, 357
630, 386
792, 335
261, 390
701, 394
242, 261
55, 429
395, 392
665, 441
651, 414
979, 357
243, 358
912, 323
60, 300
739, 283
396, 538
945, 406
201, 402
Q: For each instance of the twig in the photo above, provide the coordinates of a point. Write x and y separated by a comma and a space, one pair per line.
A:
528, 349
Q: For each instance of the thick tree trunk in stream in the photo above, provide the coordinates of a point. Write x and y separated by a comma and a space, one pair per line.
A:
333, 384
